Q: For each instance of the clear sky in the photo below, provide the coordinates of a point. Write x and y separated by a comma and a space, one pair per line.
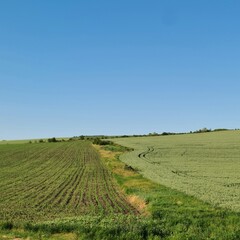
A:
118, 67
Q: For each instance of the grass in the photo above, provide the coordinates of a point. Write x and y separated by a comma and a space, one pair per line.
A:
165, 213
178, 215
4, 142
203, 165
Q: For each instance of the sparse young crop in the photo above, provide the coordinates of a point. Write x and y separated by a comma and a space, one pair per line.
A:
48, 181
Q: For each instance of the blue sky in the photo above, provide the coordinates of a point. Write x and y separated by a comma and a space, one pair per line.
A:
118, 67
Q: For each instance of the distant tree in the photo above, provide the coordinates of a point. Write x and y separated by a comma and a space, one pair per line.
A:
203, 130
220, 129
52, 139
153, 134
81, 137
41, 141
165, 134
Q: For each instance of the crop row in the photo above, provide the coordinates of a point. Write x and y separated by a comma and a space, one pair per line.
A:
52, 180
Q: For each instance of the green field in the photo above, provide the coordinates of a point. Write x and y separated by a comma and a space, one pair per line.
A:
205, 165
4, 142
76, 190
54, 180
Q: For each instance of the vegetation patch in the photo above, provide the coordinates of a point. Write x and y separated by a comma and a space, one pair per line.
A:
48, 181
109, 211
178, 215
203, 165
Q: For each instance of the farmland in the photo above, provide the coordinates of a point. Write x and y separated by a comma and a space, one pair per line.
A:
205, 165
55, 180
76, 190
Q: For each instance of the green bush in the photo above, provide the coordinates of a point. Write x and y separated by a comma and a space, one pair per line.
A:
7, 226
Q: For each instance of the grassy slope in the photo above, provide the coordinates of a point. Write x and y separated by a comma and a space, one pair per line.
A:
167, 214
180, 215
204, 165
4, 142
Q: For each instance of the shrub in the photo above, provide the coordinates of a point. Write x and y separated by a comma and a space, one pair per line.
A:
52, 139
7, 226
